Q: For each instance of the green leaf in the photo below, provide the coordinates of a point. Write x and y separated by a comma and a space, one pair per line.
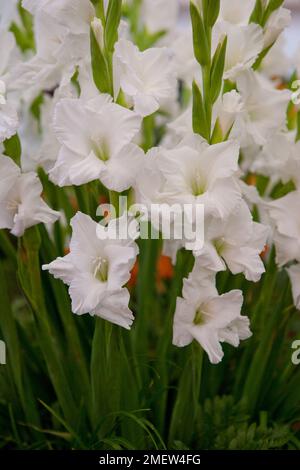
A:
204, 4
228, 86
16, 359
213, 12
275, 4
99, 66
35, 107
27, 20
201, 46
30, 280
261, 57
113, 18
75, 82
100, 12
217, 135
272, 6
200, 125
144, 40
148, 427
186, 409
257, 13
217, 70
13, 149
23, 30
105, 375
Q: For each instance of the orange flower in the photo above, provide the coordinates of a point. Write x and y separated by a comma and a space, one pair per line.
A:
103, 199
164, 271
265, 251
134, 274
164, 268
74, 203
251, 179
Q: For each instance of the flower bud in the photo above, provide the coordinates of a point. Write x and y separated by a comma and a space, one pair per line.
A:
98, 31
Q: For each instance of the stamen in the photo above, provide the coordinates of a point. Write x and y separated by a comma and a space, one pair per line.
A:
101, 269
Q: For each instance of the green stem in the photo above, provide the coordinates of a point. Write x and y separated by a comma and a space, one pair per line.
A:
186, 410
105, 375
165, 342
30, 279
16, 360
206, 71
82, 198
146, 291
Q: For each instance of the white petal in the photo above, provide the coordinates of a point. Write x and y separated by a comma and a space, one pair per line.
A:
120, 171
294, 274
73, 168
86, 293
31, 209
62, 268
145, 104
9, 121
244, 260
224, 309
184, 314
9, 172
114, 308
208, 338
235, 11
71, 125
210, 258
121, 260
221, 160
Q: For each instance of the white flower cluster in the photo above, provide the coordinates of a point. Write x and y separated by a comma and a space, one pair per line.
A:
214, 86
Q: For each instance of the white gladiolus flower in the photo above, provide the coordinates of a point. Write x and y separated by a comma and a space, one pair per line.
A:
277, 22
98, 31
236, 241
294, 274
21, 206
8, 115
193, 173
187, 67
277, 63
96, 143
50, 146
77, 10
209, 318
284, 212
203, 195
244, 43
159, 15
147, 78
236, 12
179, 129
279, 158
226, 110
264, 110
62, 39
96, 270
